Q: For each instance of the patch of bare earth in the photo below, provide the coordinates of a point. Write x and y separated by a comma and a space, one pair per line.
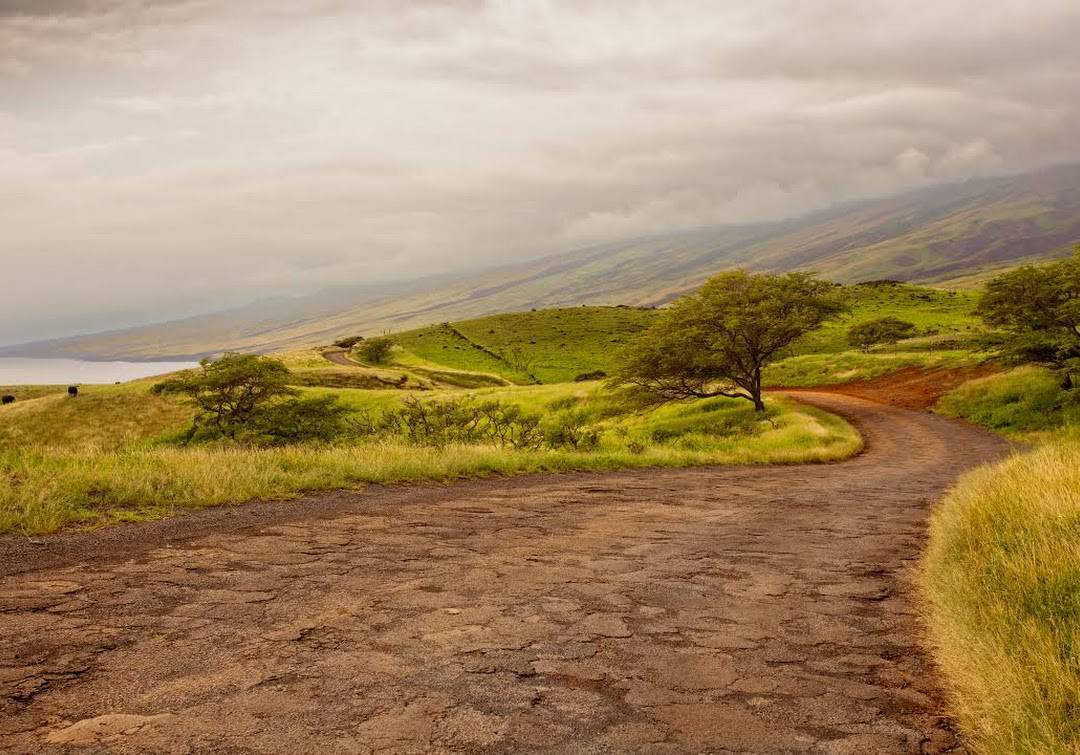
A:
722, 610
910, 387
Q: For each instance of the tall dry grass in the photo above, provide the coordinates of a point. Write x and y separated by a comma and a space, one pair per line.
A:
1001, 586
43, 489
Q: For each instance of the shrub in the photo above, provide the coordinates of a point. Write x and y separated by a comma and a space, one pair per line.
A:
349, 342
664, 434
375, 350
587, 376
439, 423
298, 420
889, 330
573, 431
510, 426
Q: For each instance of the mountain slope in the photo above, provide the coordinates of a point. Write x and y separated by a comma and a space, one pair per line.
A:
929, 235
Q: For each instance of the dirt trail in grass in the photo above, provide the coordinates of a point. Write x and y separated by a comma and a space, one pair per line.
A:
705, 610
339, 358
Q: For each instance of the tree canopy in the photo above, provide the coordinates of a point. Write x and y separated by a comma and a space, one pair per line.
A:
1038, 308
247, 397
375, 350
890, 329
715, 342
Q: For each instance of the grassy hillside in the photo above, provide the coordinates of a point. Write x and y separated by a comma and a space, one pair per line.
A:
1026, 403
557, 345
546, 346
928, 235
103, 417
104, 456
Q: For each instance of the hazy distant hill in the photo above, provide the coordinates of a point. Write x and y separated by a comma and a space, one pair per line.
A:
955, 231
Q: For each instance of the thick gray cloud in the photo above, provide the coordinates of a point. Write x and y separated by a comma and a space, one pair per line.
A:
159, 157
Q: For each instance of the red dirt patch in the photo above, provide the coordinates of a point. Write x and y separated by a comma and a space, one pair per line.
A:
911, 387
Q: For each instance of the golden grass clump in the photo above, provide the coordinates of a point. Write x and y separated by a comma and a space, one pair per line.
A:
1000, 582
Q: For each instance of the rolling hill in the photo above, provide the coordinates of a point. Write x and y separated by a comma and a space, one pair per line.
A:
938, 235
562, 344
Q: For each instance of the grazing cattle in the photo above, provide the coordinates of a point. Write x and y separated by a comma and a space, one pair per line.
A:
7, 399
73, 390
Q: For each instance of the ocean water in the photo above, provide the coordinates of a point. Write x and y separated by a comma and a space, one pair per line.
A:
26, 371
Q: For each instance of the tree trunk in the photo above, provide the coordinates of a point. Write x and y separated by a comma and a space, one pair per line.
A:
755, 391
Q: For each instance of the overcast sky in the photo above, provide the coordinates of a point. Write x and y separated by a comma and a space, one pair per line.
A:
164, 157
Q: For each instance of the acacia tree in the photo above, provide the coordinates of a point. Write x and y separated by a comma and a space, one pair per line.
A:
229, 391
375, 350
889, 330
1038, 308
715, 342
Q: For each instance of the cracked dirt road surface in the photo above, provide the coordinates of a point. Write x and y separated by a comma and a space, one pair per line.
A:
713, 610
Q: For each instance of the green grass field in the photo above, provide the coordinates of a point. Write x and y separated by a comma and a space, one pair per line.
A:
934, 312
557, 345
25, 392
546, 346
101, 458
1027, 404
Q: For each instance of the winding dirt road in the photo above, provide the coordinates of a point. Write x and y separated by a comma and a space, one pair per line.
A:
339, 358
708, 610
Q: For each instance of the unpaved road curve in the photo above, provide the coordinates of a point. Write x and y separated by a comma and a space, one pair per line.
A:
339, 358
707, 610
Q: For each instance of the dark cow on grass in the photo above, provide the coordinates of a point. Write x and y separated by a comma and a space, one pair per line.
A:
73, 390
8, 399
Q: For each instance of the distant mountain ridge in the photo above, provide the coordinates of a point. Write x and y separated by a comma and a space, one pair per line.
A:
929, 235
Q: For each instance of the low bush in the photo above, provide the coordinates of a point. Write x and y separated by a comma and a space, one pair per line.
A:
573, 430
588, 376
866, 335
349, 342
299, 420
375, 350
460, 421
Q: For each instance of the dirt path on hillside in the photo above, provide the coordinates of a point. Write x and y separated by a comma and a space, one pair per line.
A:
708, 610
340, 358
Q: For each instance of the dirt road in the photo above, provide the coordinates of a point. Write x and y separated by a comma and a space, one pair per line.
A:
339, 358
707, 610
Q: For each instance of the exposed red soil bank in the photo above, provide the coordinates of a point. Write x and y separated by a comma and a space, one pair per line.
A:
911, 387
